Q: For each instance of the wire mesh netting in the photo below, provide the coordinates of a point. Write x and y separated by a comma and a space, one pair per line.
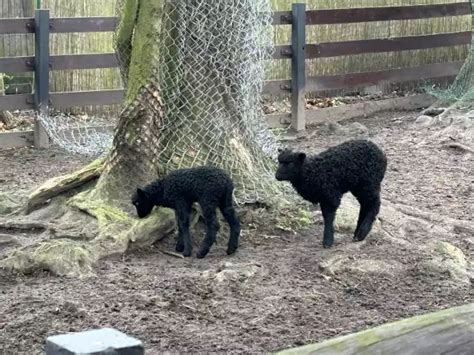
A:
209, 65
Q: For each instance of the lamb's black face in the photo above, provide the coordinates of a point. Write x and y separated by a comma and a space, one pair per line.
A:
142, 203
289, 165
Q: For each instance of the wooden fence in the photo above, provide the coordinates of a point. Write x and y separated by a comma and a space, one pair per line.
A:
298, 51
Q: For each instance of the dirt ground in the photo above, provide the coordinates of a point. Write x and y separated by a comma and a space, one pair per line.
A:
273, 293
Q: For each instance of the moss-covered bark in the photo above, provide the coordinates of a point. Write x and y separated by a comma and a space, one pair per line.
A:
136, 42
445, 332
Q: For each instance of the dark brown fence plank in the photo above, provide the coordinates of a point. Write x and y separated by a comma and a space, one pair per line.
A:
17, 102
326, 17
369, 14
83, 24
16, 64
84, 61
20, 139
60, 25
334, 82
350, 80
60, 62
17, 25
335, 49
282, 18
277, 87
86, 98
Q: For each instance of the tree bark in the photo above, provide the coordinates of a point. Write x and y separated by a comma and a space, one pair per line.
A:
445, 332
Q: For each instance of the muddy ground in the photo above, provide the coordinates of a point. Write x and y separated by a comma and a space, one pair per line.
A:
274, 293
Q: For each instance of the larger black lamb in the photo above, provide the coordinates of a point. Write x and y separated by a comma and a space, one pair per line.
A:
211, 187
357, 166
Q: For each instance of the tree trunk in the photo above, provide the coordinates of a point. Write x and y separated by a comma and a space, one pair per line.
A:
445, 332
164, 126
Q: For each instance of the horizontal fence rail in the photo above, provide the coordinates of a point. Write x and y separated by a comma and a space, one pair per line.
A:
60, 25
86, 98
60, 62
325, 83
337, 49
371, 14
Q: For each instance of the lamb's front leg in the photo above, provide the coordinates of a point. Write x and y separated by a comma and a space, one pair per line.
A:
183, 212
329, 214
180, 242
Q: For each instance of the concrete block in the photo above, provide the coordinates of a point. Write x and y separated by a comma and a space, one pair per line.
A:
94, 342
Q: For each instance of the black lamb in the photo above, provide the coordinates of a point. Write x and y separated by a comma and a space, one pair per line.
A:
357, 166
211, 187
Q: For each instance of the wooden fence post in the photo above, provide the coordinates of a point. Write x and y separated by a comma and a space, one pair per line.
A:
298, 73
41, 139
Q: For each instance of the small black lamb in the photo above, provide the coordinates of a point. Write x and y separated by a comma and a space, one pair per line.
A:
357, 166
211, 187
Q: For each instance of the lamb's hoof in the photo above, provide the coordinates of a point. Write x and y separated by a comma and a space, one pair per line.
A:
201, 254
231, 250
179, 248
327, 245
187, 253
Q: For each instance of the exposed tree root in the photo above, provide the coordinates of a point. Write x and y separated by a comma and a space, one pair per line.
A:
61, 184
456, 224
460, 147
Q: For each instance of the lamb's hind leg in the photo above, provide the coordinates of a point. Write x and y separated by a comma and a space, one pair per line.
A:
369, 209
212, 226
234, 224
228, 211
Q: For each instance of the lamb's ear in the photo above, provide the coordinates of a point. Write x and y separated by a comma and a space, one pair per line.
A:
301, 157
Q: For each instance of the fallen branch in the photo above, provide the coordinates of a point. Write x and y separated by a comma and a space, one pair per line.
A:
176, 255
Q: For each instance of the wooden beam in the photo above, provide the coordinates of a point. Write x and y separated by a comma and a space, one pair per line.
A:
84, 61
17, 64
17, 25
450, 331
323, 83
60, 25
86, 98
278, 120
21, 139
17, 102
83, 24
350, 80
60, 62
369, 14
336, 49
368, 108
345, 112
